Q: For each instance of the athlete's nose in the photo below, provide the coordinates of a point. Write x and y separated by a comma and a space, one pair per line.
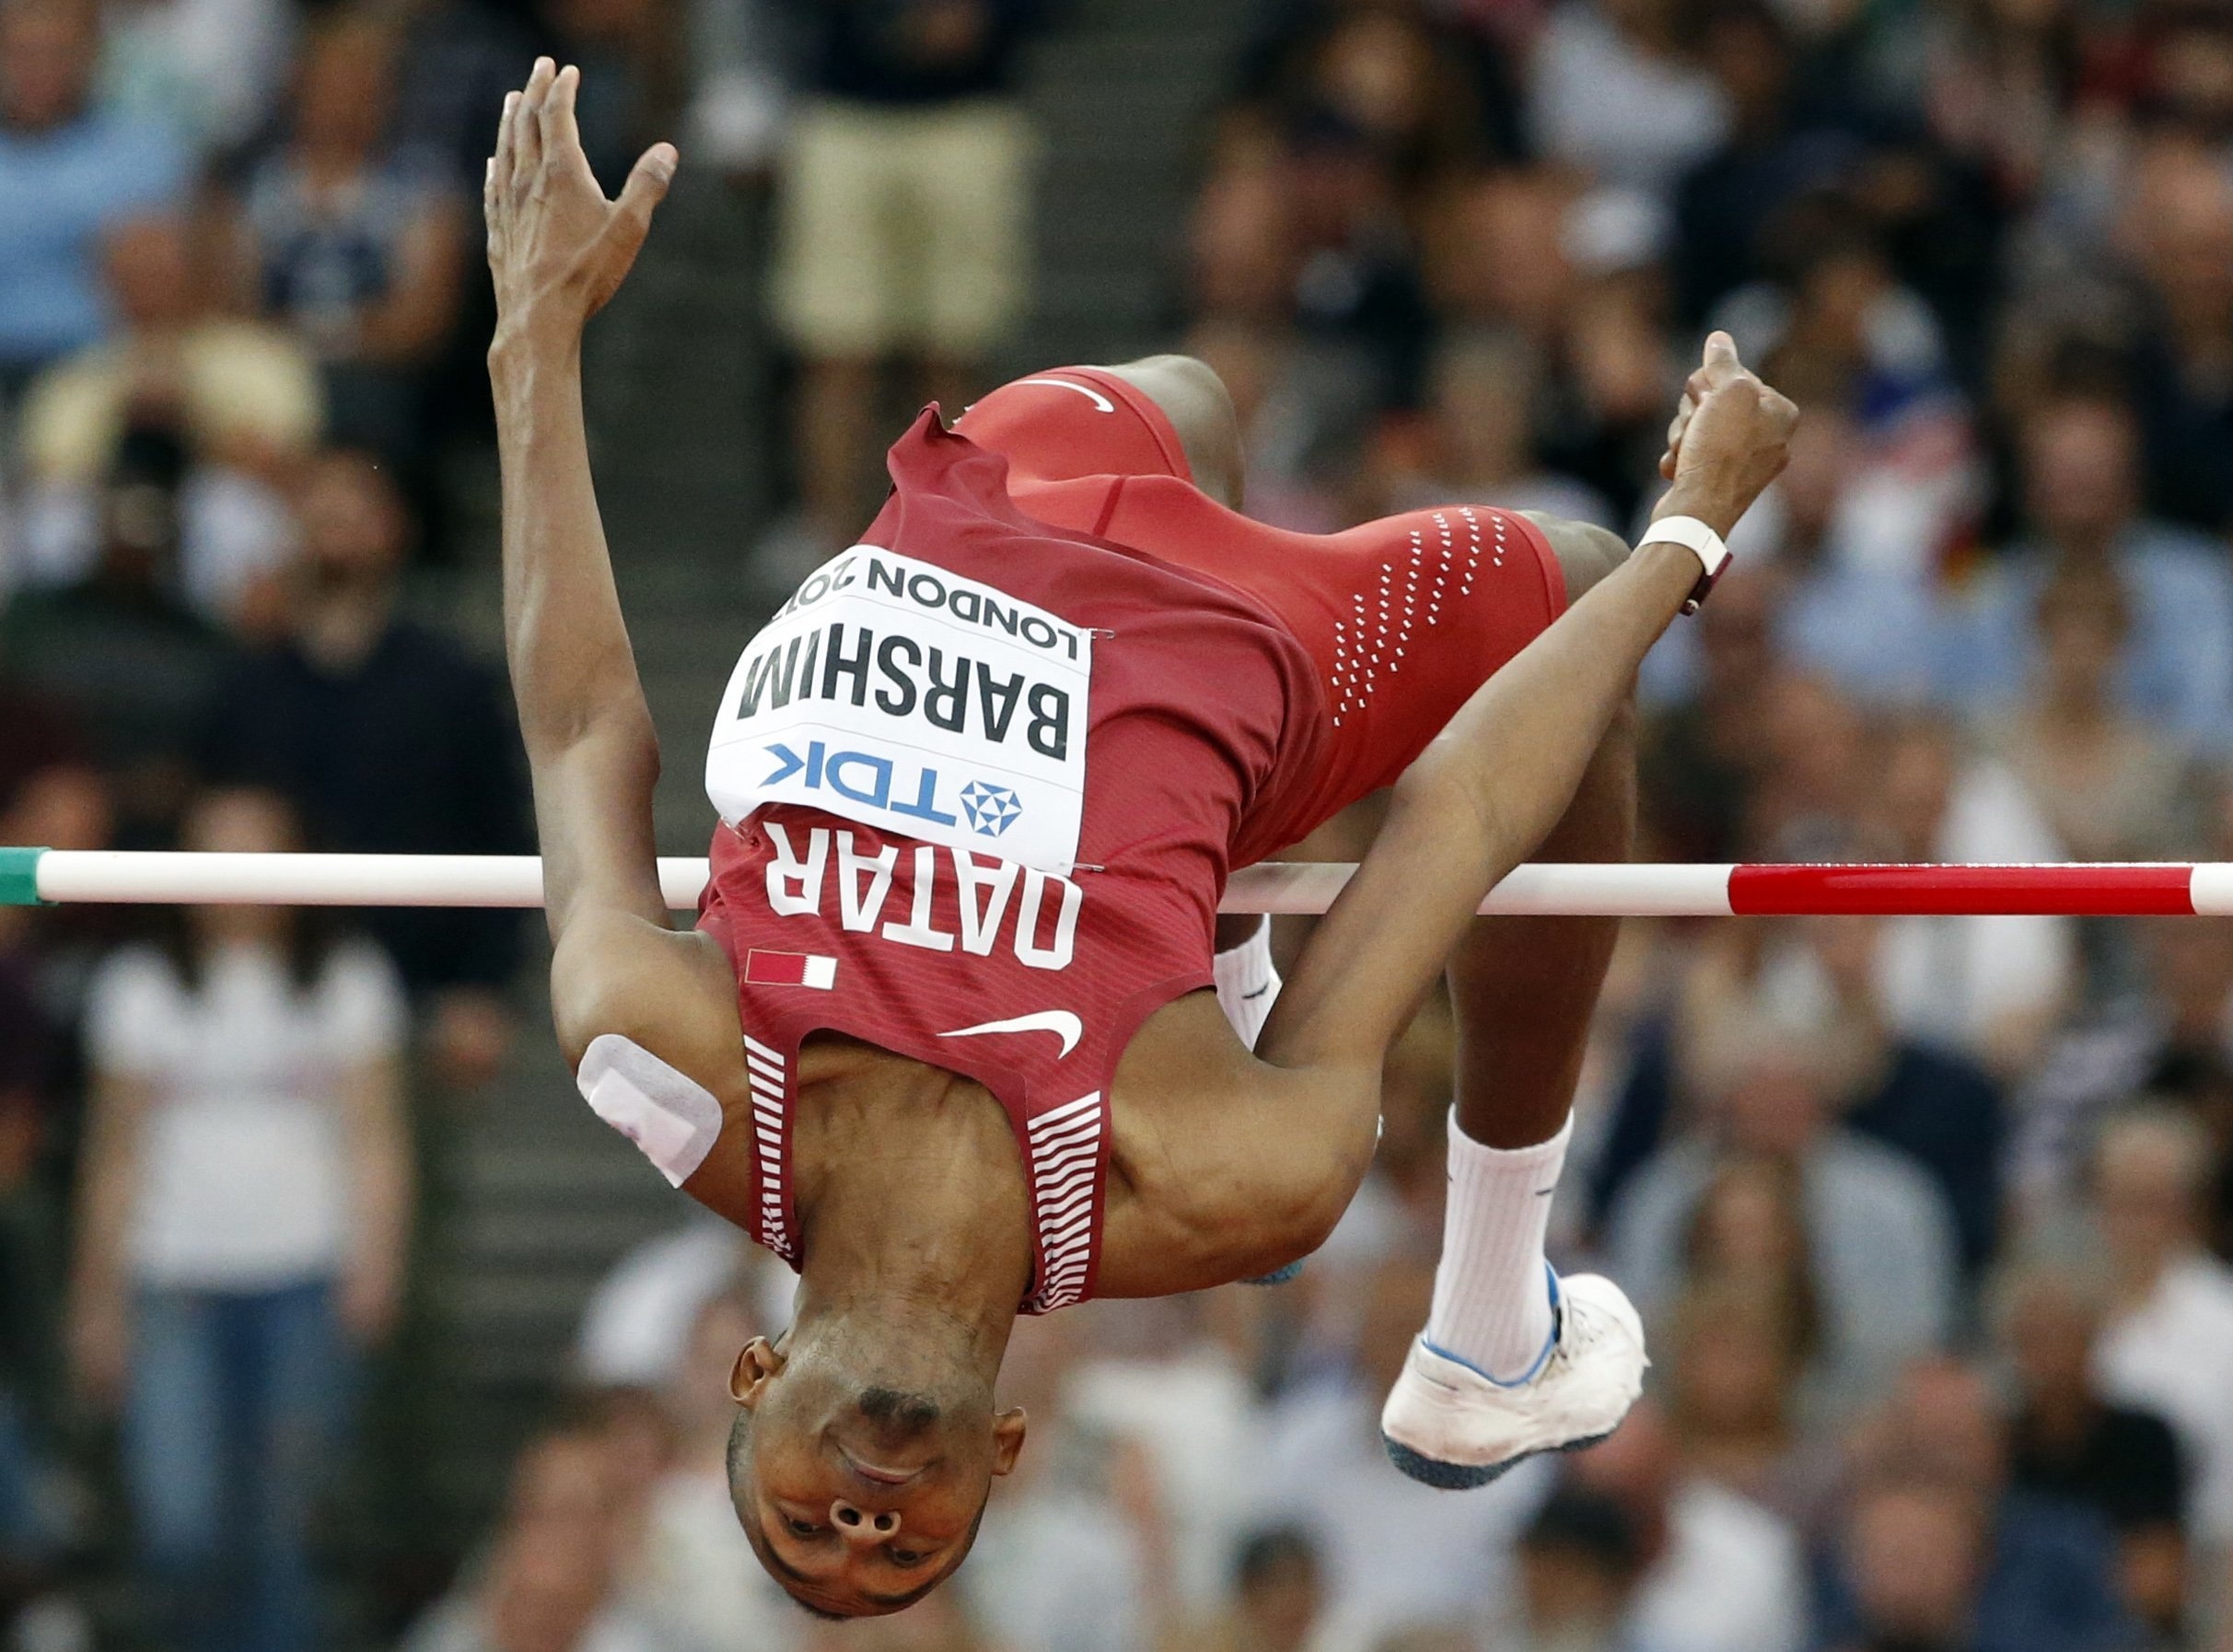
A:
856, 1525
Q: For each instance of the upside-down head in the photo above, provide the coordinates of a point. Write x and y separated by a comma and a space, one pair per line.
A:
861, 1460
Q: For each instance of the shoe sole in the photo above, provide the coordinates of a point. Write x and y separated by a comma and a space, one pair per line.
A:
1465, 1477
1277, 1275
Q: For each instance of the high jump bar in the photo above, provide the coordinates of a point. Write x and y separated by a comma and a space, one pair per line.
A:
35, 877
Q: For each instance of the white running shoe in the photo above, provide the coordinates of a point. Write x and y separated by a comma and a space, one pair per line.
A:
1448, 1426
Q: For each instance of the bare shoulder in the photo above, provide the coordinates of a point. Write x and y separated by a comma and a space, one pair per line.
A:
1221, 1167
669, 991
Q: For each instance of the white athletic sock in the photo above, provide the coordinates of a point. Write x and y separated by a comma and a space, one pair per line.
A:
1492, 1290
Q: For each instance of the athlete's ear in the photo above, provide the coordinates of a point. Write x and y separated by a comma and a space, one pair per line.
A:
754, 1366
1008, 1438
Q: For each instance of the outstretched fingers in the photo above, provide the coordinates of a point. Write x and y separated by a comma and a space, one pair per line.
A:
554, 123
528, 128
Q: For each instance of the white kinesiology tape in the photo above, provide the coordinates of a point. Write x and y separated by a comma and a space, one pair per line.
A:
1248, 983
672, 1119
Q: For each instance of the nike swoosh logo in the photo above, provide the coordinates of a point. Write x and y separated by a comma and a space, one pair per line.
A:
1060, 1023
1259, 992
1087, 390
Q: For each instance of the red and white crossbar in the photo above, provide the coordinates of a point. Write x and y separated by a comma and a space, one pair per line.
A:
32, 876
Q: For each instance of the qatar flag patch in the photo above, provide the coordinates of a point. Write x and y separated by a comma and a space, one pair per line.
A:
789, 969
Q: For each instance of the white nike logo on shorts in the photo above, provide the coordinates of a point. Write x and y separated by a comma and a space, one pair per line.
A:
1087, 390
1060, 1023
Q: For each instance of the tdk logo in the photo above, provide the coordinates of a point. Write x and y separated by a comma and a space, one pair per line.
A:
991, 809
903, 788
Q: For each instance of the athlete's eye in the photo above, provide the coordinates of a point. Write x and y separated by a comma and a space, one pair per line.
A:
906, 1557
798, 1528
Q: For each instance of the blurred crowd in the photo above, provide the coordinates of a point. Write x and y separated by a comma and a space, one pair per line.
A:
1928, 1218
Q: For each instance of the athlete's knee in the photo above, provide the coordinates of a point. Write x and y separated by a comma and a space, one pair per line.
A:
1586, 552
1200, 409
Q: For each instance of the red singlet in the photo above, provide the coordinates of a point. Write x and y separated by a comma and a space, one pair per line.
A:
1247, 683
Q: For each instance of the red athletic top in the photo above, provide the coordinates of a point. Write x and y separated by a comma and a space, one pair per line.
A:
1247, 683
1203, 737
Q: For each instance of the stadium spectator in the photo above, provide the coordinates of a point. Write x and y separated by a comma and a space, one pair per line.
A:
2082, 506
388, 738
2111, 785
1277, 1598
1735, 1355
904, 227
693, 1577
241, 1233
69, 170
1579, 1561
119, 652
1617, 90
2010, 1571
2169, 1329
2180, 223
2070, 1443
1775, 1179
242, 398
1717, 1571
209, 69
356, 247
550, 1581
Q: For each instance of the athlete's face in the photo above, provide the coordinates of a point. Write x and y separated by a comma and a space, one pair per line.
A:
859, 1498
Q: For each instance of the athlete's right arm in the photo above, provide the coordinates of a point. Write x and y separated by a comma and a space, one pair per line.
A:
557, 250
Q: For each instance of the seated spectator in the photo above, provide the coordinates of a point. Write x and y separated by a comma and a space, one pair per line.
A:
240, 395
2009, 1572
1615, 90
2167, 1032
1074, 1552
1735, 1359
1579, 1565
209, 69
1932, 1103
241, 1233
1990, 988
550, 1580
693, 1578
69, 170
432, 762
2068, 1442
2168, 1340
242, 398
1396, 1553
2179, 224
351, 245
1716, 1571
637, 1326
1878, 1242
2081, 505
2111, 785
1277, 1598
134, 669
1476, 443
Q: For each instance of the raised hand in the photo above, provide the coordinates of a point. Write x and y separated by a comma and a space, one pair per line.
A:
1730, 439
557, 249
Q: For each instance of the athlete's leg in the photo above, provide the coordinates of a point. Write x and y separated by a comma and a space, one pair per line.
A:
1201, 410
1524, 990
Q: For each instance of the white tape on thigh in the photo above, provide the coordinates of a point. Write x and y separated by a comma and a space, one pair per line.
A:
672, 1119
1248, 983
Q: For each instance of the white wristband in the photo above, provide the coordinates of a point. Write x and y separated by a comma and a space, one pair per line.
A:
1694, 536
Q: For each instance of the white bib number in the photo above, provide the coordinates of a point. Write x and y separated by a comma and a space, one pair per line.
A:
893, 692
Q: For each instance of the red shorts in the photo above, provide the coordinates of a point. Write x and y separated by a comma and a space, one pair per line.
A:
1405, 617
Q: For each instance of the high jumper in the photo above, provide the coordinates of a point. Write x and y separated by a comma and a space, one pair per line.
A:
958, 1032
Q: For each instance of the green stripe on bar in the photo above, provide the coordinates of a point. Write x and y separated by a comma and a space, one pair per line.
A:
19, 877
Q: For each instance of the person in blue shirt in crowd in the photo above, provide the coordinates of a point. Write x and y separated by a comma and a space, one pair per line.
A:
69, 170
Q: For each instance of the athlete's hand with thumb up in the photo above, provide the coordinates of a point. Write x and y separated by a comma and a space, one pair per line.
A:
1729, 442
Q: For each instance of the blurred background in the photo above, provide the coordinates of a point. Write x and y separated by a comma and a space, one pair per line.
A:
328, 1316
